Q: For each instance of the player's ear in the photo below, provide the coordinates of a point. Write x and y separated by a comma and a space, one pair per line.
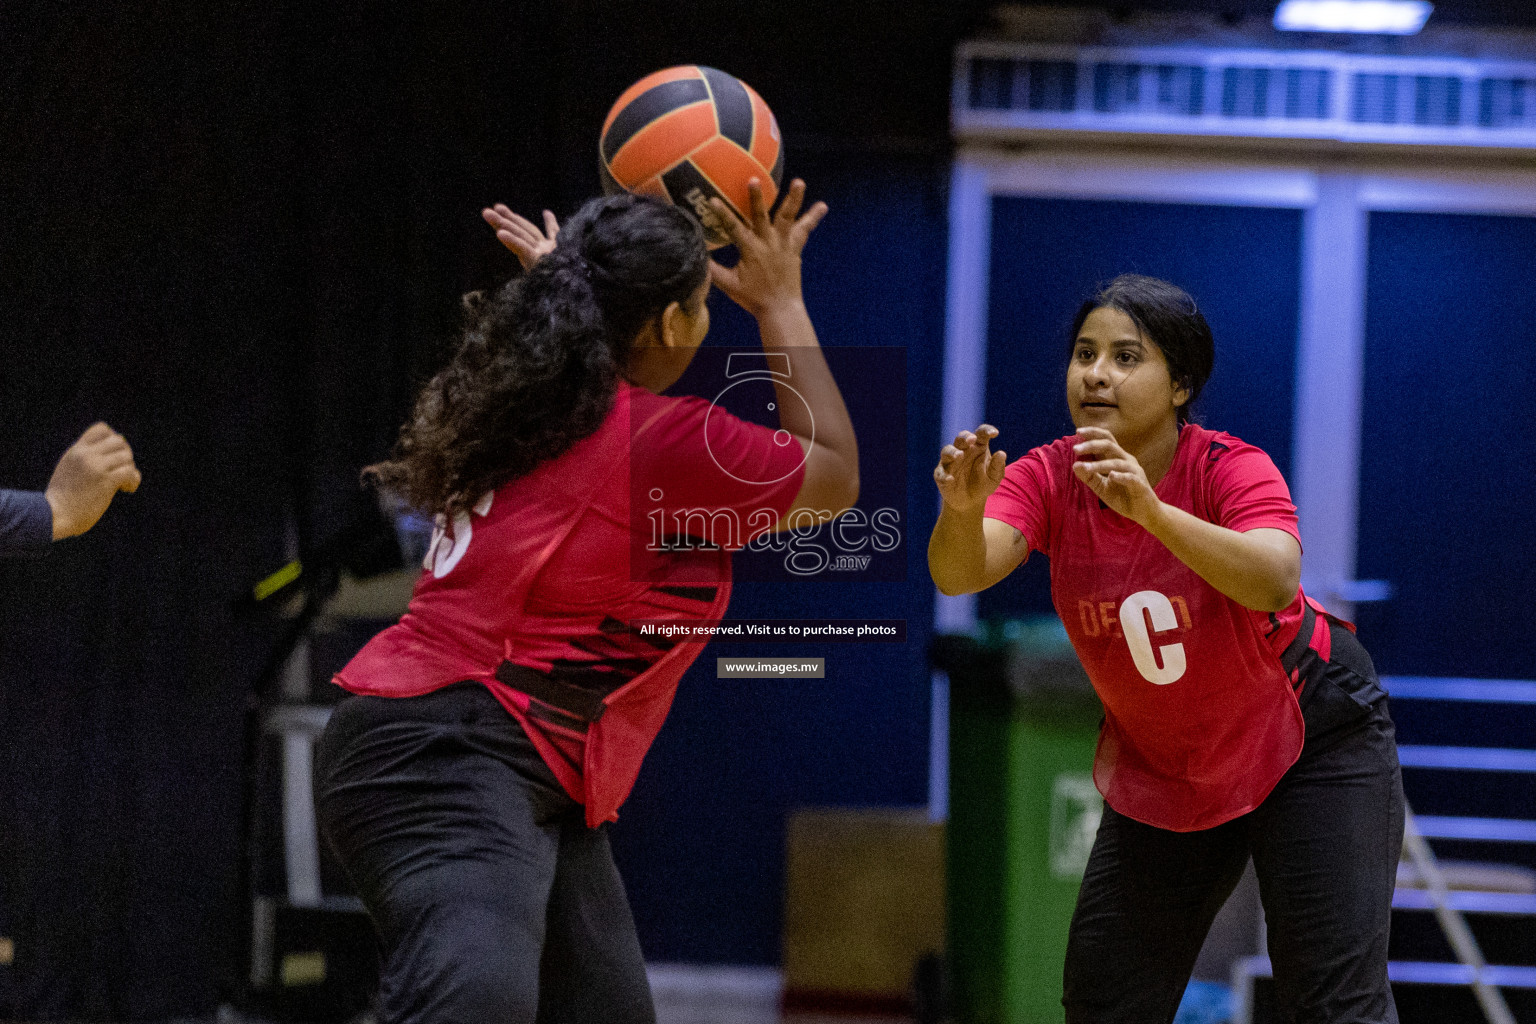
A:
670, 325
1180, 394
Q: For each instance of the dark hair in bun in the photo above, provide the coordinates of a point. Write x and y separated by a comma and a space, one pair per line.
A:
540, 358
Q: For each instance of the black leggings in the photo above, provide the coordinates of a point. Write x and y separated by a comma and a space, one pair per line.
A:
1325, 846
493, 900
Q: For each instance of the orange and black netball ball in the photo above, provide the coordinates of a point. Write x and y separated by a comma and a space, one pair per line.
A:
688, 134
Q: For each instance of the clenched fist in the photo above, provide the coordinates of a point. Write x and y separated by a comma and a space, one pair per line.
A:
88, 475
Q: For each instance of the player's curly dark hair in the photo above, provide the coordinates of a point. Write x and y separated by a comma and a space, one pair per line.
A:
1167, 315
540, 358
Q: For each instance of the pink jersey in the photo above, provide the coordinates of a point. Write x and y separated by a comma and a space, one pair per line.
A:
548, 571
1200, 720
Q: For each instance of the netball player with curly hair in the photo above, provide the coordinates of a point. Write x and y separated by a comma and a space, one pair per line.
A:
494, 731
1240, 719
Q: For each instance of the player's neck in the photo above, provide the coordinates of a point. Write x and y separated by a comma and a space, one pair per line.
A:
656, 369
1156, 452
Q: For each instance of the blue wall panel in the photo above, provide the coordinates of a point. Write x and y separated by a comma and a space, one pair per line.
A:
1447, 446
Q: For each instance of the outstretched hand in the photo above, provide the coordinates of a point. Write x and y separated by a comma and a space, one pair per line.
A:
87, 477
522, 235
768, 272
1114, 475
968, 470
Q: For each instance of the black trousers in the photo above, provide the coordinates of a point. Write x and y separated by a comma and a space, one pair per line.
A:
1325, 846
493, 900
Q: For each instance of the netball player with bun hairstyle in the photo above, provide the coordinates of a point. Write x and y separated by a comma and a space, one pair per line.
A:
497, 727
1239, 718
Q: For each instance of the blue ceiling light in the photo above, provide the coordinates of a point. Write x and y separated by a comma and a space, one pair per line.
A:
1390, 17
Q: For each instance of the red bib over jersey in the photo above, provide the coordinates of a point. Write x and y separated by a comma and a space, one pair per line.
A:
1200, 720
542, 573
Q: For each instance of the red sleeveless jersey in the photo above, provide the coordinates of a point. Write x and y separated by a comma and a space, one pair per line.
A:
1200, 720
542, 572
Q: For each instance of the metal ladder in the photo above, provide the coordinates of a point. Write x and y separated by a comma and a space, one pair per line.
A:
1450, 907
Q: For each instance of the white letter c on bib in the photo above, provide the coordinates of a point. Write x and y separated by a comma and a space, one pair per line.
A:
1136, 638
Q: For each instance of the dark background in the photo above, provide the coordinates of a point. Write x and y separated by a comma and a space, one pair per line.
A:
238, 233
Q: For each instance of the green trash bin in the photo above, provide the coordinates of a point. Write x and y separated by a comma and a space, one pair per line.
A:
1023, 811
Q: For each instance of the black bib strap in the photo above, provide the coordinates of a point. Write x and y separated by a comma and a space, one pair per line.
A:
576, 701
1291, 659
